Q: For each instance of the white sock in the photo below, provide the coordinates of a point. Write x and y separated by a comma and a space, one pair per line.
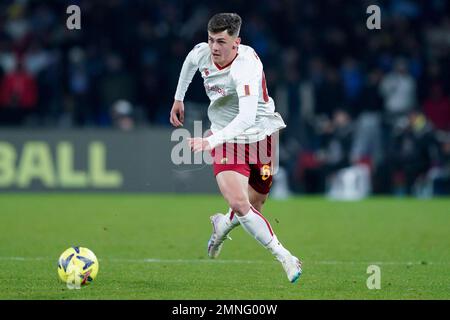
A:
277, 249
232, 219
256, 225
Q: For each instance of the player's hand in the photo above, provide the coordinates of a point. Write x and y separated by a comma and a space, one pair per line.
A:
177, 114
199, 144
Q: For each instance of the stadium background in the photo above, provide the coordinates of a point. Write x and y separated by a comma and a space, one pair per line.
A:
349, 95
84, 122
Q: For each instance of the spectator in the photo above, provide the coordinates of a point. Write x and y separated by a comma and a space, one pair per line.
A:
18, 96
437, 108
337, 145
398, 89
122, 115
353, 83
442, 177
334, 154
368, 145
413, 151
116, 84
79, 85
437, 180
310, 73
329, 94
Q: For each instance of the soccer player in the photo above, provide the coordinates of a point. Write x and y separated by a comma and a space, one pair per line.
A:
243, 119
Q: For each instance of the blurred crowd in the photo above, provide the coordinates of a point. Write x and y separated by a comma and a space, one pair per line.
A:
349, 95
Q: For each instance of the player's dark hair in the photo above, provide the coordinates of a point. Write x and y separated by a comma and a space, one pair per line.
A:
225, 21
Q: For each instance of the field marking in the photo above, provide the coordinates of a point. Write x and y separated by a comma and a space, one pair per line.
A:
194, 261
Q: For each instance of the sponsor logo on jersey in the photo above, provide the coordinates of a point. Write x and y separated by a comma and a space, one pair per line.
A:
215, 88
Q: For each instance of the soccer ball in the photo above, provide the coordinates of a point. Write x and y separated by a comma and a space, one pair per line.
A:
77, 266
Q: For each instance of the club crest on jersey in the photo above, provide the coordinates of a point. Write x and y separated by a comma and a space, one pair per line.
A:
206, 72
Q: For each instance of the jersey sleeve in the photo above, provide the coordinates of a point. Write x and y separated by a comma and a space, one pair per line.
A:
190, 66
246, 75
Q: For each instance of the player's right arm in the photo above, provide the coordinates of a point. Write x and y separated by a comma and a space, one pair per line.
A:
177, 113
188, 70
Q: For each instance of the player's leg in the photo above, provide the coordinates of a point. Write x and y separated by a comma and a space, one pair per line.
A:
224, 224
233, 186
236, 187
225, 160
232, 219
235, 191
258, 189
256, 199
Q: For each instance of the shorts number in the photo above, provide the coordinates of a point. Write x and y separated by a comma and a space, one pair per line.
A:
265, 172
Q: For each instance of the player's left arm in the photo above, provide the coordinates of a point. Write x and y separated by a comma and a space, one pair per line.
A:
246, 81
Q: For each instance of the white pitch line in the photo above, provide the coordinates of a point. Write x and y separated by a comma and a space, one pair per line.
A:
224, 261
23, 258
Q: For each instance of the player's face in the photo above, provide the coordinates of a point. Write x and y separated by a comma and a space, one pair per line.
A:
223, 47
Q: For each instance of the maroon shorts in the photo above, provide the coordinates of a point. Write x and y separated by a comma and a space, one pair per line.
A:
253, 160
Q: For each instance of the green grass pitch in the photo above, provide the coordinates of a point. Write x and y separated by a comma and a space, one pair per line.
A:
154, 247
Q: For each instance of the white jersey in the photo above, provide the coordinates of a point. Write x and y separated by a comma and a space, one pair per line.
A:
224, 86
